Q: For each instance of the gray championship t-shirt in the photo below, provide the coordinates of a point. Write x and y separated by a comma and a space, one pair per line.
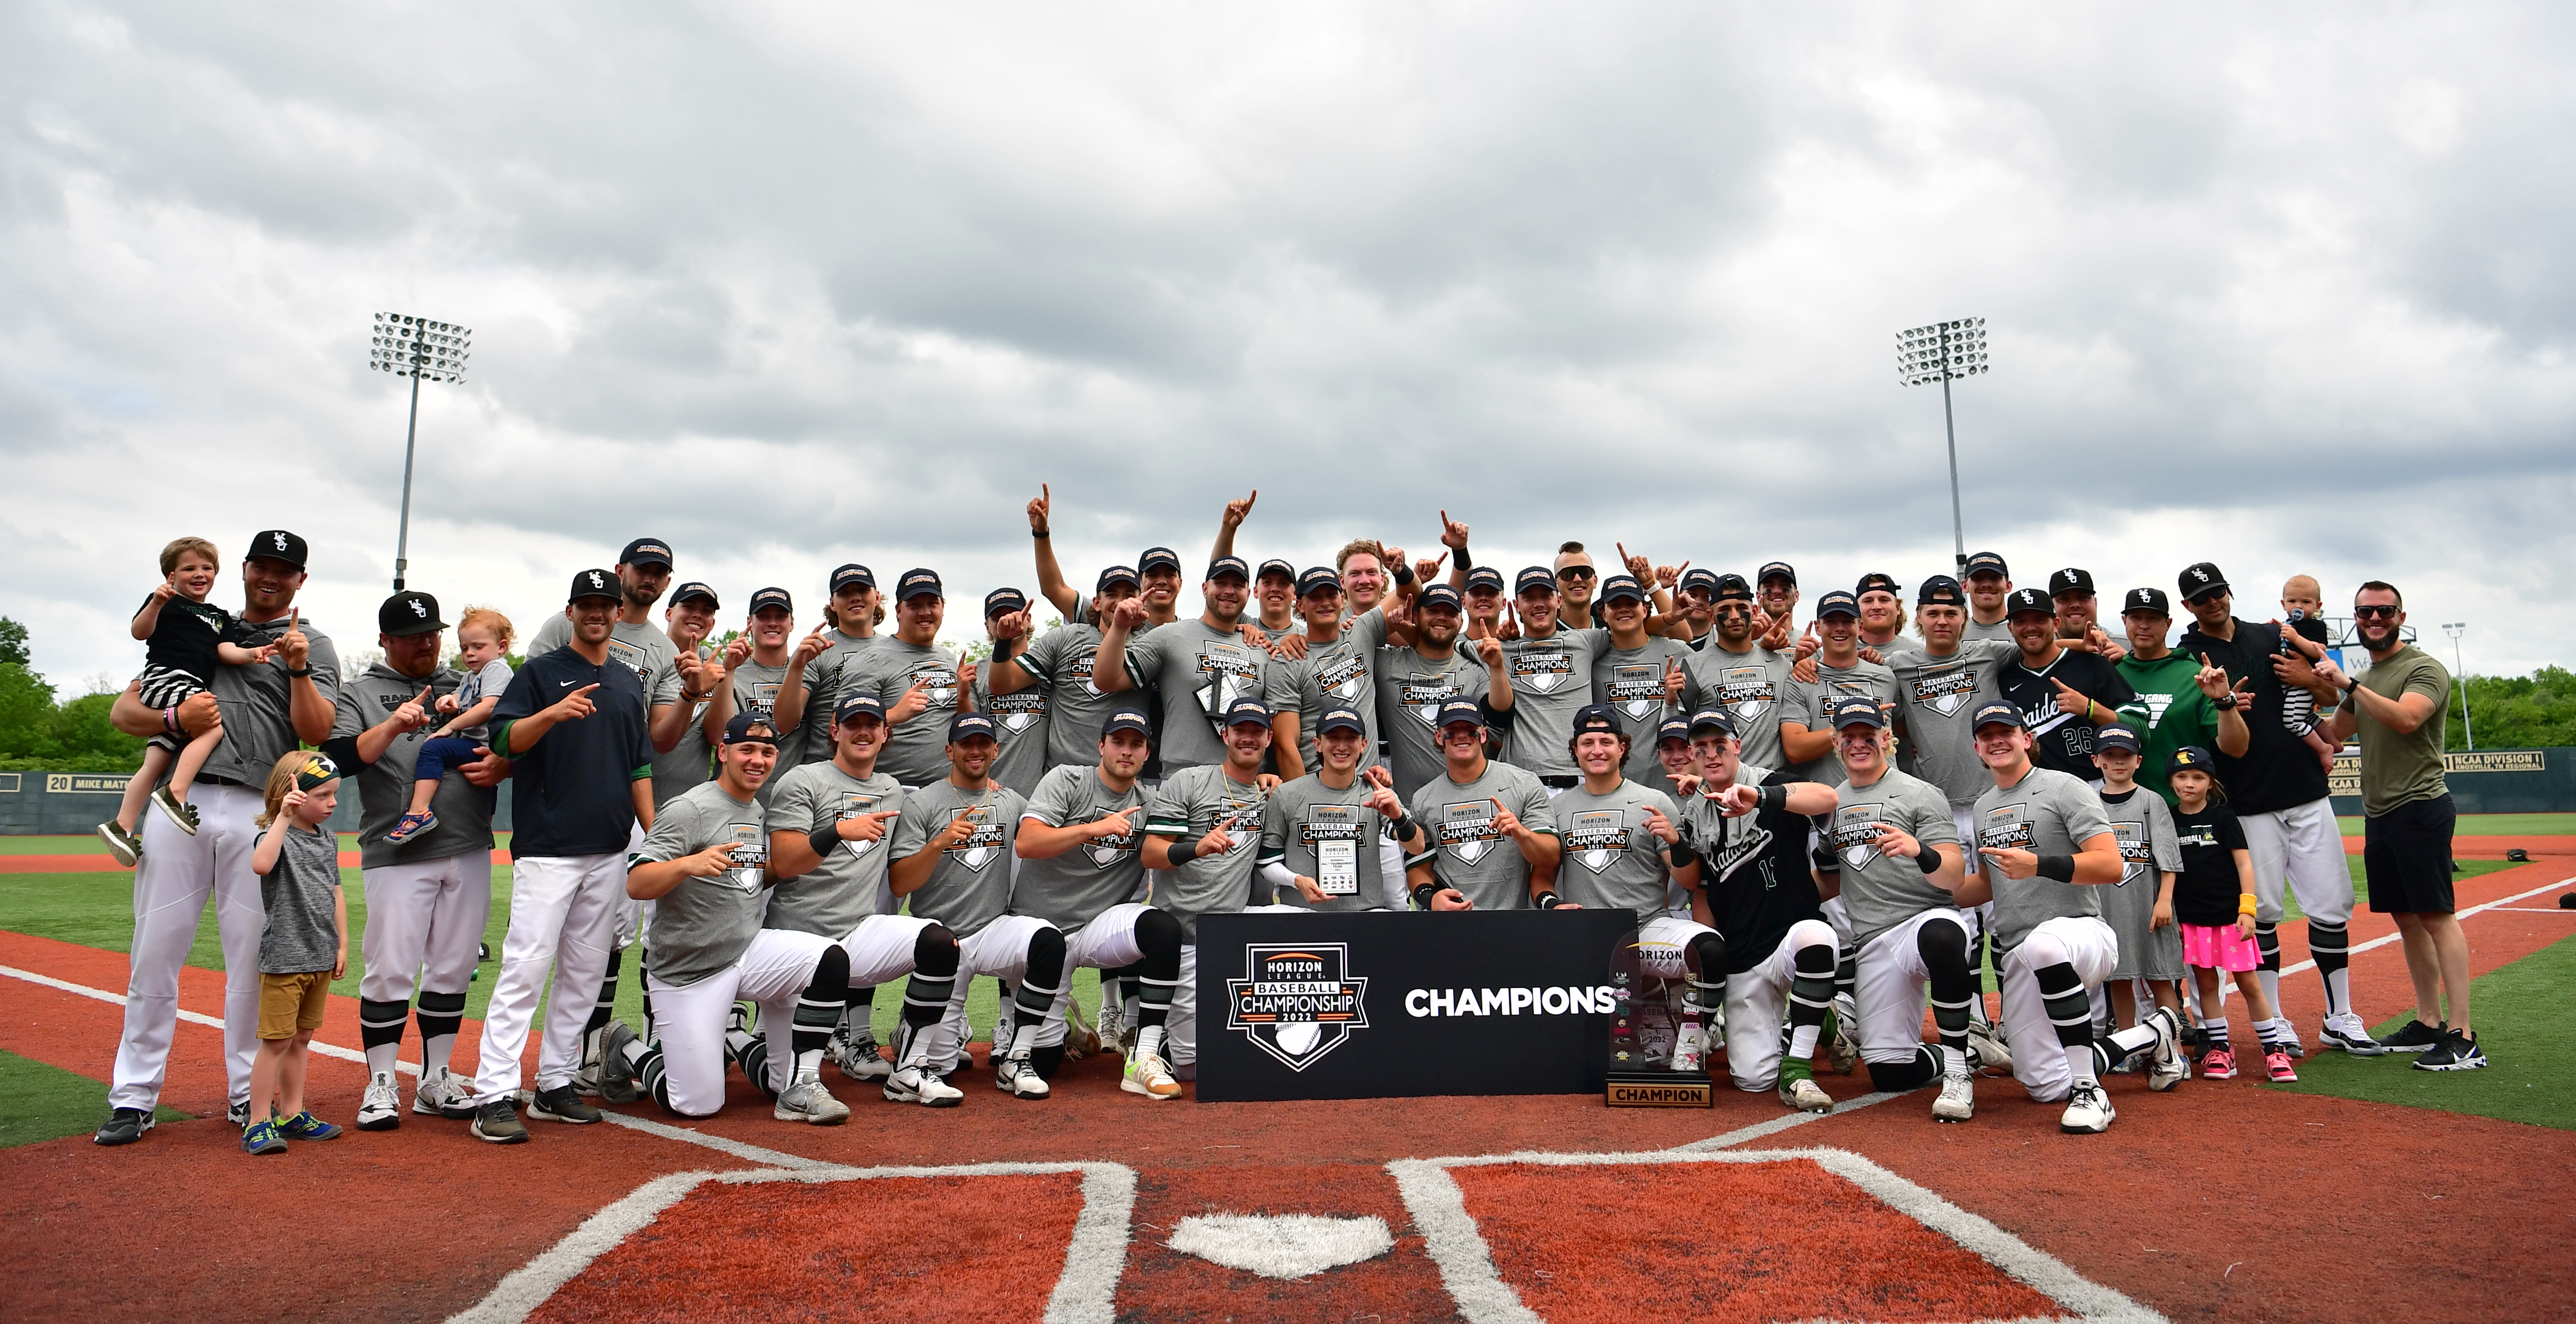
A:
1807, 705
1631, 681
1200, 672
916, 750
1189, 805
1751, 688
1612, 860
823, 679
1410, 690
755, 689
1330, 836
1551, 681
1334, 675
2144, 827
704, 924
1936, 699
2047, 813
1881, 891
970, 886
689, 764
1060, 661
1020, 728
303, 932
1466, 854
2000, 630
1073, 889
833, 896
258, 728
643, 649
384, 787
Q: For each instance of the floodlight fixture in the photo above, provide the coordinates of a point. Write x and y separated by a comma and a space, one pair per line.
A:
2455, 629
422, 350
1945, 352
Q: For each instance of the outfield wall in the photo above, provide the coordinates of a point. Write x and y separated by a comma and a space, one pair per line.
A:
35, 803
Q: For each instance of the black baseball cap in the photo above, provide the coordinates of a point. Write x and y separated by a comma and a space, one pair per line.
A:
1159, 558
1732, 588
595, 584
2118, 737
2028, 599
2191, 756
1998, 712
2148, 600
2199, 579
1622, 586
1437, 595
855, 705
1875, 582
1711, 719
1485, 576
406, 614
1275, 566
276, 545
853, 573
1126, 719
1320, 579
1340, 719
1456, 710
1983, 562
1229, 565
917, 583
1857, 710
1535, 577
1940, 591
646, 551
1247, 712
1837, 603
1116, 574
1777, 570
772, 597
739, 731
1673, 728
966, 725
1003, 601
2071, 580
1597, 717
693, 589
1701, 578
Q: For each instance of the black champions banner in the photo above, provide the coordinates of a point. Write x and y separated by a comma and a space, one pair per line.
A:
1389, 1005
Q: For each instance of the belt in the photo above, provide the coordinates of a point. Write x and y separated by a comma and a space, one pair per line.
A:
213, 779
1560, 781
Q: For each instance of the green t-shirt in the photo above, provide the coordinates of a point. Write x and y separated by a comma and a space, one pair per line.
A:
2401, 769
2169, 713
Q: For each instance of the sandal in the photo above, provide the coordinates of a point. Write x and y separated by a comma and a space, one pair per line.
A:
412, 825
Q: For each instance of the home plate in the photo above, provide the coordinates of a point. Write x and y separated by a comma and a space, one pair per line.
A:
1281, 1245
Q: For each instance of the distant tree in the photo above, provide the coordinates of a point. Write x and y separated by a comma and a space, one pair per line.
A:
2517, 712
37, 733
13, 642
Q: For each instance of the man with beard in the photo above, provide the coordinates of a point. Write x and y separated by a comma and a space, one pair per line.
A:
2180, 701
1989, 586
1806, 738
1775, 588
915, 677
1328, 838
952, 856
1201, 667
1414, 681
1640, 676
1203, 830
1736, 674
1019, 717
1333, 672
1550, 667
2064, 695
1486, 828
1059, 663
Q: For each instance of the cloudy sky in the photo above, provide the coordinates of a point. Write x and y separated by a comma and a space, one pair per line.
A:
796, 284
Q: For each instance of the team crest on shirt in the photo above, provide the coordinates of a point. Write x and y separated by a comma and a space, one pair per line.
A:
2136, 856
1597, 838
762, 698
1329, 823
1106, 852
1077, 671
1855, 836
1745, 692
1017, 712
2005, 827
853, 804
981, 846
631, 657
1467, 830
1226, 673
1542, 672
1945, 692
1637, 689
939, 683
1344, 677
750, 858
1423, 698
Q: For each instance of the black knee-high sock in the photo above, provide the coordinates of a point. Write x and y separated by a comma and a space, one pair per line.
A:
751, 1053
440, 1015
1897, 1077
380, 1027
2070, 1009
644, 986
2267, 971
2121, 1046
818, 1009
1847, 974
1158, 978
606, 1007
1704, 966
926, 993
1944, 948
2330, 946
646, 1062
1040, 986
1811, 991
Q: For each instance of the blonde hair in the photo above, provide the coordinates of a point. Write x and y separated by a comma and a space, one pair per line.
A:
281, 779
170, 554
502, 631
1342, 559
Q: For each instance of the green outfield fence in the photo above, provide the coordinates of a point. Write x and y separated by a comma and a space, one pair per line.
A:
49, 803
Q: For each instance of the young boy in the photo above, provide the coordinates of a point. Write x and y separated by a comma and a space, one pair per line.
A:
484, 636
184, 638
2140, 907
305, 948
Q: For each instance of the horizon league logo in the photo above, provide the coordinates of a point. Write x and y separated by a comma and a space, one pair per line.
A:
1467, 830
2135, 854
1637, 689
1856, 834
750, 857
1423, 698
1947, 692
1598, 838
1231, 674
1017, 712
1542, 673
1296, 1002
1745, 691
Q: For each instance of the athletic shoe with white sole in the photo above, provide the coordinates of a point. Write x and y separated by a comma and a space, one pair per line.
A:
124, 1127
2219, 1064
2457, 1052
915, 1084
2349, 1034
124, 845
616, 1073
238, 1113
562, 1104
1015, 1077
858, 1058
1986, 1050
1688, 1047
2415, 1037
1958, 1099
1842, 1051
380, 1108
2088, 1111
444, 1094
2277, 1064
498, 1123
807, 1101
179, 811
1149, 1075
1806, 1096
2167, 1066
2288, 1038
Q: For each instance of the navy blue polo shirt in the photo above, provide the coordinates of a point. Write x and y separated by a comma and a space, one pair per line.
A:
572, 792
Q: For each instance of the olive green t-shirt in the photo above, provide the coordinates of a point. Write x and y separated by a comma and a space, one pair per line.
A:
2401, 769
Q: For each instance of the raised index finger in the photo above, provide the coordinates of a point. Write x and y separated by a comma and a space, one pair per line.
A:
586, 689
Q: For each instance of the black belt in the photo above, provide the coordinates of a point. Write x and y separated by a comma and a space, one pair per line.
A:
213, 779
1560, 781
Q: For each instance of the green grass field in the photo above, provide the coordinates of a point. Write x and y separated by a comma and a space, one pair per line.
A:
40, 1103
2494, 825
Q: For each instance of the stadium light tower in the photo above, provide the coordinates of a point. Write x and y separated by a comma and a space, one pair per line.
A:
418, 348
1945, 352
2455, 629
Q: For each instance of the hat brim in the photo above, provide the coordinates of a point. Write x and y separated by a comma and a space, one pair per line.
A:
412, 628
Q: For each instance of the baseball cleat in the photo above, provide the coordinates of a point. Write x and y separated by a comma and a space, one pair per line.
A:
124, 1127
1841, 1050
1015, 1077
1806, 1096
916, 1084
858, 1057
124, 845
1080, 1039
2168, 1066
380, 1108
808, 1102
562, 1104
498, 1123
444, 1094
1958, 1099
1689, 1047
2088, 1111
1986, 1049
1149, 1075
616, 1073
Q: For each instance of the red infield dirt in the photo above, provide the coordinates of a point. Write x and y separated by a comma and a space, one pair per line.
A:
2220, 1200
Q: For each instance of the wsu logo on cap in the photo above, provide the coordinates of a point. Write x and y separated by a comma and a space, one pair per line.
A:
278, 538
418, 608
597, 580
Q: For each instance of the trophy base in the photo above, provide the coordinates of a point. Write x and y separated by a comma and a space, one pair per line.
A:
1633, 1087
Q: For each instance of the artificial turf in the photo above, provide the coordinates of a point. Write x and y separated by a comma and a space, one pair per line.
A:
40, 1102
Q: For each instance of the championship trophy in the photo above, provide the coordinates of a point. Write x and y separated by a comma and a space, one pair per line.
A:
1636, 1080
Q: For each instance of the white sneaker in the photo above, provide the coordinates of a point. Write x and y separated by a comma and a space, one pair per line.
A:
1149, 1075
1015, 1077
1986, 1049
1688, 1047
807, 1101
915, 1084
1958, 1101
858, 1058
2169, 1066
1842, 1050
2348, 1033
1806, 1096
2288, 1040
2088, 1111
443, 1093
380, 1108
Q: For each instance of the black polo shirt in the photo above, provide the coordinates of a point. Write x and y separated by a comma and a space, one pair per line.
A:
572, 792
2278, 771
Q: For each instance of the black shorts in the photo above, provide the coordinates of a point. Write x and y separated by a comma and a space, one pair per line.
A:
2406, 858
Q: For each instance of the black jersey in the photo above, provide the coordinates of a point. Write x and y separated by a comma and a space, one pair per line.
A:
2278, 770
1755, 871
2062, 741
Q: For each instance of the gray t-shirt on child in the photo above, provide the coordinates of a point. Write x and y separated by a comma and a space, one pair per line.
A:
1330, 836
1200, 671
705, 924
1751, 688
1937, 699
303, 926
1072, 889
970, 886
1612, 860
1410, 690
488, 682
916, 751
833, 896
2046, 813
1466, 854
1551, 681
1189, 805
1882, 891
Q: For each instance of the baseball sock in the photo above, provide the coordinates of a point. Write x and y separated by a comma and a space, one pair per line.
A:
644, 986
2061, 991
440, 1015
818, 1009
1811, 994
751, 1052
926, 993
2275, 1033
646, 1060
1040, 986
380, 1027
1159, 977
2330, 946
606, 1007
1926, 1066
1704, 996
858, 1015
2217, 1029
2124, 1044
2267, 942
1944, 949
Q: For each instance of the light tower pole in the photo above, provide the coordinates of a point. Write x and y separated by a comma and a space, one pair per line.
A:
415, 347
2455, 629
1944, 352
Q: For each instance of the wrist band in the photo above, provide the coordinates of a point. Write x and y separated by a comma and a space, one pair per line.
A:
1683, 855
2244, 903
824, 838
1771, 797
1037, 533
170, 719
299, 673
2058, 867
1403, 574
1182, 852
1402, 827
1422, 895
1465, 562
1928, 860
1547, 901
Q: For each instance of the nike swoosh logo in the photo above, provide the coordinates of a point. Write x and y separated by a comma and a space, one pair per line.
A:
565, 683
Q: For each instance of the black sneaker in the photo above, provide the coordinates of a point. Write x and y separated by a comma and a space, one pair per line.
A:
499, 1123
562, 1104
2456, 1052
2417, 1037
124, 1127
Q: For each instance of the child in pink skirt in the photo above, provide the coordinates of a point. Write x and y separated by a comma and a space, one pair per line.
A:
2214, 903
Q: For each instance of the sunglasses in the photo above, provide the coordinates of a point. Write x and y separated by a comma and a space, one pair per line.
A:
1578, 572
2375, 613
2207, 598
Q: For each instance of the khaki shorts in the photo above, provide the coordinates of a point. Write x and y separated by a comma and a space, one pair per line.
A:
292, 1003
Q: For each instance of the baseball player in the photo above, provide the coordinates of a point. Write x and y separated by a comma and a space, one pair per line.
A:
1467, 814
1333, 672
1201, 668
1550, 667
1059, 663
1019, 716
1622, 844
762, 670
1639, 676
952, 855
1807, 739
1413, 681
1328, 839
1739, 674
850, 616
